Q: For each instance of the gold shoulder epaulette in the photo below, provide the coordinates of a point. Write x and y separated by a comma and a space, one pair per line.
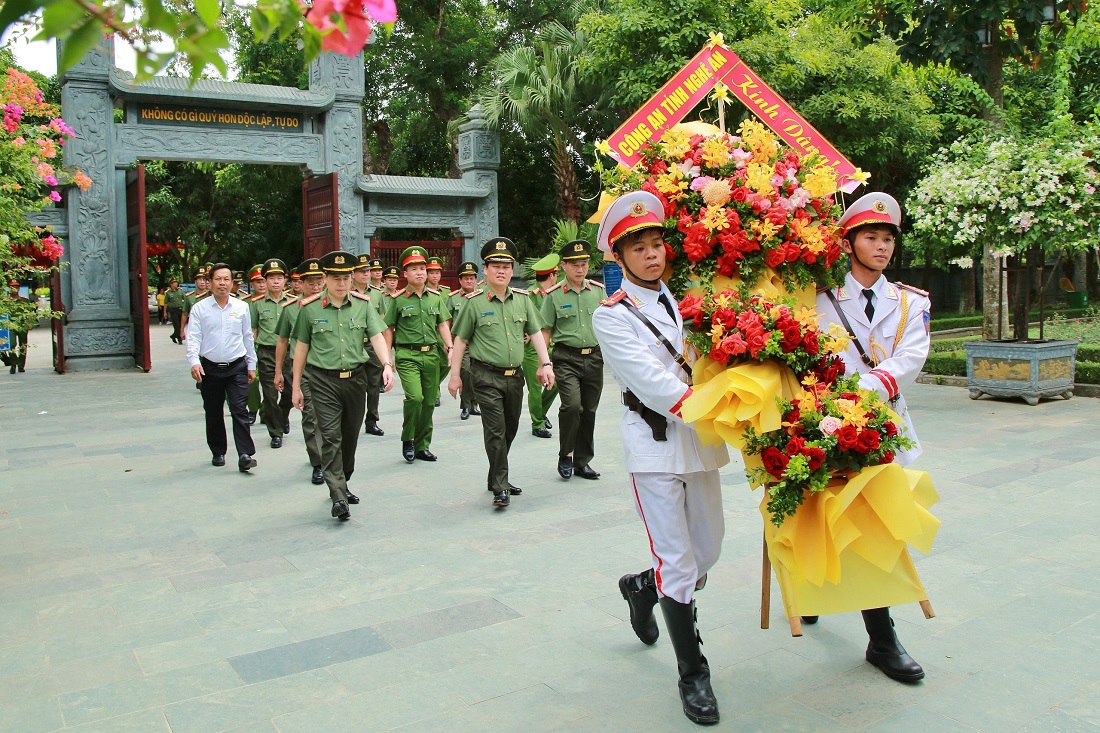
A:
291, 296
521, 291
433, 292
472, 293
310, 299
453, 293
613, 299
597, 283
556, 286
200, 297
356, 294
912, 289
254, 298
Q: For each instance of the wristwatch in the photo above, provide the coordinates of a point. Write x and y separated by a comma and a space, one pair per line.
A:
547, 363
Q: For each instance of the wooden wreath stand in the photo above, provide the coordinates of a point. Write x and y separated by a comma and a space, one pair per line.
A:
796, 620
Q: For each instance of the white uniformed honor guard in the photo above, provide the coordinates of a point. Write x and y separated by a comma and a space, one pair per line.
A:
888, 327
673, 476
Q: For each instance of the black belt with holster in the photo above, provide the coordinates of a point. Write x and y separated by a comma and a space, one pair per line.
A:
655, 420
506, 371
417, 347
585, 351
338, 373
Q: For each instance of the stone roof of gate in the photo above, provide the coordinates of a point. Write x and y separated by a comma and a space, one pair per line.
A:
414, 186
168, 89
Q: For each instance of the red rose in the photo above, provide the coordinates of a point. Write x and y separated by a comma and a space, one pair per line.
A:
658, 168
815, 457
734, 220
890, 428
775, 258
725, 316
791, 251
796, 446
810, 342
777, 215
792, 336
888, 456
741, 194
670, 253
774, 461
867, 441
832, 254
727, 263
683, 224
690, 305
846, 437
719, 354
793, 416
696, 140
757, 341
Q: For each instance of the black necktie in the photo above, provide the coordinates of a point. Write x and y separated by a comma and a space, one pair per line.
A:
663, 300
869, 309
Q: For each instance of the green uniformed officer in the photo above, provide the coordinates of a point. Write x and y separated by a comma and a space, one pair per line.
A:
202, 290
255, 404
295, 284
331, 330
566, 314
417, 317
391, 277
174, 299
360, 280
467, 283
312, 279
539, 399
494, 321
435, 275
265, 311
376, 271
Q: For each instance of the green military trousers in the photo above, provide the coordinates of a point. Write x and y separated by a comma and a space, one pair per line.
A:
310, 434
374, 386
539, 399
501, 399
579, 379
277, 404
338, 405
419, 374
468, 399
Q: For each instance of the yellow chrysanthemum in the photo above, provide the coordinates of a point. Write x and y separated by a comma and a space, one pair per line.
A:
758, 177
821, 182
715, 153
716, 193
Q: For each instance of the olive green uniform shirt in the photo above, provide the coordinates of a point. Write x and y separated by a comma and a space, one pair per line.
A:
494, 329
175, 298
415, 319
265, 313
567, 312
285, 327
192, 298
336, 336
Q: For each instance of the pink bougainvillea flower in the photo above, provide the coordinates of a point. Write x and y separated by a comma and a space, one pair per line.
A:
381, 11
55, 196
357, 16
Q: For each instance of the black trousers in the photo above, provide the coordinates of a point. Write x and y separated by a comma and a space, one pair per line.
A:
339, 406
500, 398
276, 404
220, 385
176, 314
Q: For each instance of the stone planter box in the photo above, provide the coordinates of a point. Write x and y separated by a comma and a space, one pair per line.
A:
1027, 369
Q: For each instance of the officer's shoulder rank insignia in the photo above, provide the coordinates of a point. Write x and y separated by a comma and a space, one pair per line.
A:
433, 292
613, 299
912, 289
595, 283
200, 297
473, 293
361, 296
257, 298
521, 291
556, 287
310, 299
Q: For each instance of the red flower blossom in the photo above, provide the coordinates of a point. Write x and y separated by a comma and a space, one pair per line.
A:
796, 446
888, 456
810, 343
847, 437
890, 428
815, 457
775, 462
741, 194
868, 440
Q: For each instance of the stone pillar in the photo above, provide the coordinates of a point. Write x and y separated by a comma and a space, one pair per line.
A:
478, 159
99, 333
342, 128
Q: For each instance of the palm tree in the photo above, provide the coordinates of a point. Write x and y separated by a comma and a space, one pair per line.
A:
538, 88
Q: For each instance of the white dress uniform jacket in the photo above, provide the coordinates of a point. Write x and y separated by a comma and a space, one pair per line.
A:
643, 366
898, 361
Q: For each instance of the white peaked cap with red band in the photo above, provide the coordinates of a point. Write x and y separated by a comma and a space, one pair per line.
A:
872, 208
631, 212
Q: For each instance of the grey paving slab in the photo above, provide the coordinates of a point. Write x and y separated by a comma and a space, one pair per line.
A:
153, 592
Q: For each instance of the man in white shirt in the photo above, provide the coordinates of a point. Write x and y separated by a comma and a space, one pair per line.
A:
222, 356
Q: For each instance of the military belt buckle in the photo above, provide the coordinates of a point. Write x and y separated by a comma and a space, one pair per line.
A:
509, 372
586, 352
345, 375
426, 348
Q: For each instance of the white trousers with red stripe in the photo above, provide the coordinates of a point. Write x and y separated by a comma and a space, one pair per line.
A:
683, 518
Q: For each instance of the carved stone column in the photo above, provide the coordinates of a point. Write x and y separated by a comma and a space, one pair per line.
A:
478, 159
98, 334
342, 128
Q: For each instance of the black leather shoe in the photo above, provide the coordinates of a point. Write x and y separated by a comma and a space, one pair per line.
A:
501, 499
885, 651
218, 460
286, 428
372, 428
408, 452
277, 441
246, 462
251, 418
640, 593
542, 433
809, 620
352, 498
464, 415
475, 411
696, 694
318, 476
513, 490
586, 472
340, 510
565, 467
426, 455
547, 424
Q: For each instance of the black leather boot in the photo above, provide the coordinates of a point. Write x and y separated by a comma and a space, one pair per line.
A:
640, 593
696, 694
885, 651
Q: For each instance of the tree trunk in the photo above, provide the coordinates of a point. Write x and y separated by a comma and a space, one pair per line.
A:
968, 293
994, 298
565, 176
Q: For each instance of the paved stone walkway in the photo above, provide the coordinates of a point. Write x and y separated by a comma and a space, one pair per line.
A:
141, 589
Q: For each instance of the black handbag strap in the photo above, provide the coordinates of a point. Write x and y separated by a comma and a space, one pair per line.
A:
848, 327
660, 336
